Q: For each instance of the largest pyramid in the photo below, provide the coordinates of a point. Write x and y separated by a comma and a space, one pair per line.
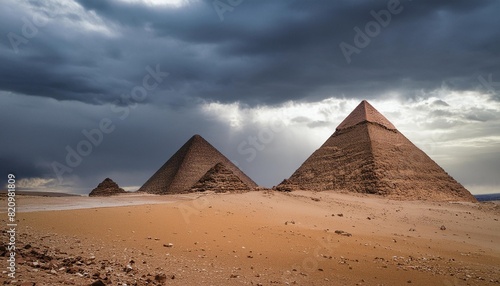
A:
367, 154
187, 166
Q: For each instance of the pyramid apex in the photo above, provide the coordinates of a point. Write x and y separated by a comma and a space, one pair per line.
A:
196, 139
365, 112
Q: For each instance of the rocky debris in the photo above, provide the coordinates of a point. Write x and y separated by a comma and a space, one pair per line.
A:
220, 179
47, 265
285, 186
367, 154
436, 265
107, 188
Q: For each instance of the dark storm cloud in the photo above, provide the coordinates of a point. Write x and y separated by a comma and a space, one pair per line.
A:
138, 145
263, 51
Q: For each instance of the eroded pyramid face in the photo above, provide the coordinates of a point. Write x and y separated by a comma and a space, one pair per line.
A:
220, 179
367, 154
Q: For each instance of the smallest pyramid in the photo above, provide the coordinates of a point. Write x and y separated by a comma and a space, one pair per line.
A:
365, 112
220, 179
107, 188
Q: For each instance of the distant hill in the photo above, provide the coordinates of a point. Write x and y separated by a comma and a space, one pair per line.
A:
3, 193
488, 197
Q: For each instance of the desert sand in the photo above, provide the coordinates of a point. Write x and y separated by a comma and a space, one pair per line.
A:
256, 238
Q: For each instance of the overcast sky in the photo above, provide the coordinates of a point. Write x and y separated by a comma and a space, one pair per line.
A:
112, 88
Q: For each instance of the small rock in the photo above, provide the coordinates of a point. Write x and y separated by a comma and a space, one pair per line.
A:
341, 232
443, 227
98, 283
161, 277
168, 245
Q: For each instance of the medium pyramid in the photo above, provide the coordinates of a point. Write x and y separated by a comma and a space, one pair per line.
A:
367, 154
187, 166
220, 179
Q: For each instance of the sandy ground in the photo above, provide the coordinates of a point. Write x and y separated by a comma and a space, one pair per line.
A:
38, 203
256, 238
